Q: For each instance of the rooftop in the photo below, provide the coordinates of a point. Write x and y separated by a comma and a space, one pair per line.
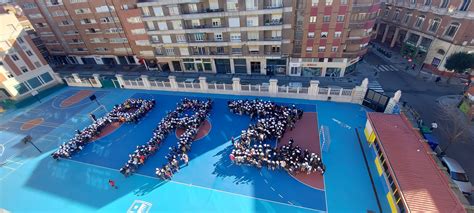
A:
423, 185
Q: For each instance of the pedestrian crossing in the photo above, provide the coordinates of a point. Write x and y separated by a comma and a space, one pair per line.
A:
386, 68
375, 85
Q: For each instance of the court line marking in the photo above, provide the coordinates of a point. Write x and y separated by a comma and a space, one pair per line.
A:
44, 122
202, 187
321, 148
40, 125
11, 139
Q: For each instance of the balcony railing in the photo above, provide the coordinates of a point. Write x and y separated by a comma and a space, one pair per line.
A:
205, 10
271, 22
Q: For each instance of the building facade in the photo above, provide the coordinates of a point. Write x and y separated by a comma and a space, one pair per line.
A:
23, 69
428, 31
90, 32
268, 37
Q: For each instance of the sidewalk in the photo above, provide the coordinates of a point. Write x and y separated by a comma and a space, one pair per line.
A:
402, 64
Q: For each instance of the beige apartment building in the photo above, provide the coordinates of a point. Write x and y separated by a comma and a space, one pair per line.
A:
428, 31
23, 70
266, 37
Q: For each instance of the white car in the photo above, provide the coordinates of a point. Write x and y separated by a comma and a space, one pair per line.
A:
458, 175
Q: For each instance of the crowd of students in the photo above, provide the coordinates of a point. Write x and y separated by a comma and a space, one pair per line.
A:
272, 122
131, 110
173, 120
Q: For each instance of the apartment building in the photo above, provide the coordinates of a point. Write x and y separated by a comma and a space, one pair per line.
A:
283, 37
428, 31
90, 32
331, 36
23, 70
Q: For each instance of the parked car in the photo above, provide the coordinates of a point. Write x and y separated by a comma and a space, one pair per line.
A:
458, 175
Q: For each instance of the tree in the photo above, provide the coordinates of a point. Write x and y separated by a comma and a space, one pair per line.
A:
453, 126
459, 62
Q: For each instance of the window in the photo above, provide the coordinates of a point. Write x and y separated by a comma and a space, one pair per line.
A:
105, 9
253, 36
29, 53
15, 57
275, 49
82, 11
213, 4
220, 50
407, 17
309, 49
20, 40
29, 5
24, 69
452, 29
326, 18
321, 49
77, 1
192, 8
184, 50
412, 1
314, 3
134, 20
218, 36
216, 22
324, 34
465, 5
232, 5
340, 18
334, 49
195, 23
427, 2
155, 39
138, 31
235, 36
310, 34
146, 11
434, 25
150, 25
169, 51
158, 11
312, 19
419, 21
441, 52
252, 21
173, 10
35, 16
236, 50
180, 38
276, 34
337, 34
41, 24
199, 36
250, 4
343, 2
163, 25
118, 40
88, 21
9, 74
166, 39
254, 49
177, 25
444, 4
396, 15
101, 49
108, 19
328, 2
234, 22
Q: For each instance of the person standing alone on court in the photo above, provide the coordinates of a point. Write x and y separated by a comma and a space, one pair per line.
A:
112, 184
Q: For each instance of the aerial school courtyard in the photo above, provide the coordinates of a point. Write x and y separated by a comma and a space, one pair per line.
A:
33, 181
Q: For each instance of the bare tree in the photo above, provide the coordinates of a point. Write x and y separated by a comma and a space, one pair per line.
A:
454, 126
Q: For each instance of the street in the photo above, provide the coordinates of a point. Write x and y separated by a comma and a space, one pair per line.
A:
422, 95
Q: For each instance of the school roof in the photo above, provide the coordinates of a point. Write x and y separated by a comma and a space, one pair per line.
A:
423, 185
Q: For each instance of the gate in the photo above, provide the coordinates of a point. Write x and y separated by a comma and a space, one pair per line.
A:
375, 101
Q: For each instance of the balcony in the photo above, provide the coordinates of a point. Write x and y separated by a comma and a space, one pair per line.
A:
205, 10
271, 22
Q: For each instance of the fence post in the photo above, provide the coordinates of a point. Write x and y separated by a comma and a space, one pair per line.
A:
313, 87
146, 82
236, 85
203, 83
393, 102
358, 93
173, 83
120, 80
76, 78
97, 80
273, 87
58, 78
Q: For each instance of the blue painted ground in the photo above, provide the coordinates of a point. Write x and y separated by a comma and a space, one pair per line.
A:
209, 183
